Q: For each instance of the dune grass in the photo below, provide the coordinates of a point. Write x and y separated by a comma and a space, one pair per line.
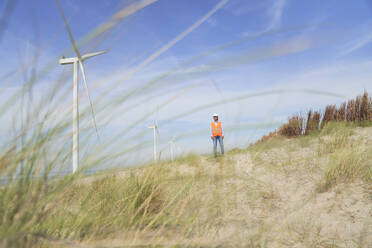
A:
188, 202
348, 161
180, 202
356, 111
346, 166
35, 210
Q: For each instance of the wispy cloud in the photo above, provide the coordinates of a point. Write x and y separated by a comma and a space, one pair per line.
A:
357, 44
172, 42
275, 13
244, 7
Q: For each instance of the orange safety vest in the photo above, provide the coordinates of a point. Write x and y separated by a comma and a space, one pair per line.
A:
216, 130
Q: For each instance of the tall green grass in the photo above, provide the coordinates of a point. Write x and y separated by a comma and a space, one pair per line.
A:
39, 211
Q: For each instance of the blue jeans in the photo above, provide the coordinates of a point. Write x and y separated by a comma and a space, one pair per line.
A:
219, 139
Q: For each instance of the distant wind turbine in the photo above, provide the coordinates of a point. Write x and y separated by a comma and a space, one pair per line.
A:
77, 61
155, 130
171, 147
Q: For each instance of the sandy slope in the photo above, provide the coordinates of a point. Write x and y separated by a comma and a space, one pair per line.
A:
269, 198
290, 212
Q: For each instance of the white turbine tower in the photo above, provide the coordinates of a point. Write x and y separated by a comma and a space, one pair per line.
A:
77, 62
155, 130
171, 147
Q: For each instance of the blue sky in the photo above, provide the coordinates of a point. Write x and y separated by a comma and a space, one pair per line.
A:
235, 48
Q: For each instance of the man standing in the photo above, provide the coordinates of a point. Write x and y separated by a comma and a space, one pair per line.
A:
217, 135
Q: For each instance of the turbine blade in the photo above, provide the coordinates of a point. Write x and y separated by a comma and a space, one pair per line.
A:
89, 55
69, 31
90, 101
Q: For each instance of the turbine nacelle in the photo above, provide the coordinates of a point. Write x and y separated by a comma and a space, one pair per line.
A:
66, 61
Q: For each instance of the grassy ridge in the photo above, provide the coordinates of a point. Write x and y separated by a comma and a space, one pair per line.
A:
182, 202
358, 111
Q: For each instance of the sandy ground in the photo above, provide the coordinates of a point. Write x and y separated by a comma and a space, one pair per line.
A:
270, 199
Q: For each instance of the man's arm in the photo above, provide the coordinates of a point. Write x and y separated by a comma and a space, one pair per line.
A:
222, 132
211, 132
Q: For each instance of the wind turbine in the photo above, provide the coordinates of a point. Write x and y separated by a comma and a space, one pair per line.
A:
171, 146
155, 130
77, 62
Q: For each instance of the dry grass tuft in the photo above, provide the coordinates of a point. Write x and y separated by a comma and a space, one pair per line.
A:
365, 108
350, 111
268, 137
312, 122
341, 112
358, 111
293, 128
329, 114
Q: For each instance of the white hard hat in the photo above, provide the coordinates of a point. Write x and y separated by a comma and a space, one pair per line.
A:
215, 115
